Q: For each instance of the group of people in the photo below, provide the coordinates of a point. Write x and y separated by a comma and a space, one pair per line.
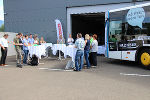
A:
21, 43
87, 48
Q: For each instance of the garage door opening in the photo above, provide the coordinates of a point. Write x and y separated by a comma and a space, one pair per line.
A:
90, 23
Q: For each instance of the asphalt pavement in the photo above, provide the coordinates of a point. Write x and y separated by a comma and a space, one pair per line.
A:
111, 80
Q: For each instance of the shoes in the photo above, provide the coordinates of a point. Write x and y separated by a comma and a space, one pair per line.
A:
76, 70
25, 64
93, 66
85, 65
5, 64
19, 66
2, 65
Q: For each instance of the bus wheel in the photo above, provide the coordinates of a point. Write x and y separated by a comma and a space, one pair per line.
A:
145, 58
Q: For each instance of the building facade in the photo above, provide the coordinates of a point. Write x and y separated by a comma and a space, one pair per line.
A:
38, 16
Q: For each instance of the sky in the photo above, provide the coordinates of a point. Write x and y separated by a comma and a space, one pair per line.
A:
1, 10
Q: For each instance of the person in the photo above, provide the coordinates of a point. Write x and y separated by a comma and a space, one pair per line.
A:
91, 40
4, 48
87, 50
22, 36
42, 40
133, 38
18, 46
31, 40
21, 41
79, 44
36, 40
70, 40
14, 44
61, 40
25, 49
94, 49
113, 39
124, 39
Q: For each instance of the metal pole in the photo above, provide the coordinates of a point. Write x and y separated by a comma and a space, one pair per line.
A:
59, 55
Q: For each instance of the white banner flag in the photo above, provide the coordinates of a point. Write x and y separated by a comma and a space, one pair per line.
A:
59, 28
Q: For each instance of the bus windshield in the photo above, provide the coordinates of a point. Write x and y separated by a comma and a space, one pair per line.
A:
129, 25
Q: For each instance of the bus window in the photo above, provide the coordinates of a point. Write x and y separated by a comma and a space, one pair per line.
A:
123, 34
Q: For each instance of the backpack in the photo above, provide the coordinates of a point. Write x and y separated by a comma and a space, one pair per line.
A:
34, 60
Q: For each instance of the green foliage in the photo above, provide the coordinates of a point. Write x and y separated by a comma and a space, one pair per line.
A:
2, 28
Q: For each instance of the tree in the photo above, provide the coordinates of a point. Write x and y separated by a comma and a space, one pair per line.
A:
2, 28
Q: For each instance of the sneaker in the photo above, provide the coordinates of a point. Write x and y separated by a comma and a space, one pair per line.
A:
25, 64
20, 66
85, 65
5, 65
93, 66
75, 70
1, 64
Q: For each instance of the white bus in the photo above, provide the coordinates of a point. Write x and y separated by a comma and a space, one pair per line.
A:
127, 34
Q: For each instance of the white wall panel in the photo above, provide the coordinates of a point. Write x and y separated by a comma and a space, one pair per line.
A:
115, 54
128, 55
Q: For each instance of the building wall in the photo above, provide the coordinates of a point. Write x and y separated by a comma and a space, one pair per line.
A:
71, 3
38, 16
34, 16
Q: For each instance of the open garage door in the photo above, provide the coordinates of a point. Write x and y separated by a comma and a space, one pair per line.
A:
89, 23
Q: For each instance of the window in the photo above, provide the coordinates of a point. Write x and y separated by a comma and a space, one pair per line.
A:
122, 30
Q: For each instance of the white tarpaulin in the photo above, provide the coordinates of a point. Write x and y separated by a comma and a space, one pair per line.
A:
37, 50
59, 28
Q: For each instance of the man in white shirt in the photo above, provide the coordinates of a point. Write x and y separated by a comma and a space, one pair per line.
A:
4, 47
70, 40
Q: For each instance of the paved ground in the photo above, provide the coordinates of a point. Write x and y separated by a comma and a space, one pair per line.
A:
111, 80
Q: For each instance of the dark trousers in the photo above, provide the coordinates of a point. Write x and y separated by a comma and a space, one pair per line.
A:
90, 58
4, 55
25, 58
61, 53
94, 58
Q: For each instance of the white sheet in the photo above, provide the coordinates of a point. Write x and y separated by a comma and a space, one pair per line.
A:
101, 50
37, 50
67, 50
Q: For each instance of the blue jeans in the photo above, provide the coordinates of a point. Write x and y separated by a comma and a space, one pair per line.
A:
79, 60
86, 54
25, 56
